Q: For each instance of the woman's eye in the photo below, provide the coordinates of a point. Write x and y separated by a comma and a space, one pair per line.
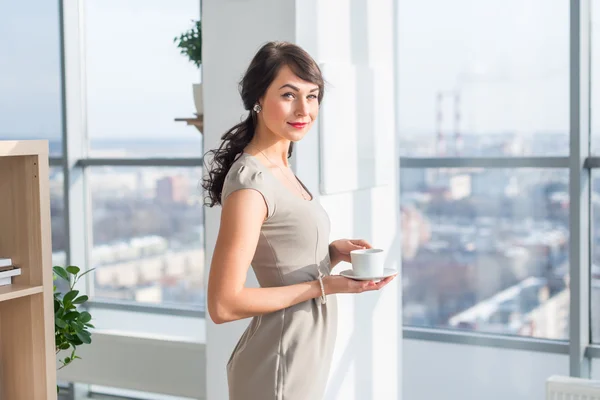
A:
289, 95
312, 96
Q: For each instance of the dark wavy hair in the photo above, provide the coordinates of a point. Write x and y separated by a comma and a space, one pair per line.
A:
260, 74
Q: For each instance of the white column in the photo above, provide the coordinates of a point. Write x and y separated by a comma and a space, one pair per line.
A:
357, 36
352, 33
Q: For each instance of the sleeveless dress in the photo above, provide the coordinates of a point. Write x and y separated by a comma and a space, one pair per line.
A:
284, 355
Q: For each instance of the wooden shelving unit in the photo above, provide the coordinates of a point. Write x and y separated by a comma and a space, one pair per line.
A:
27, 359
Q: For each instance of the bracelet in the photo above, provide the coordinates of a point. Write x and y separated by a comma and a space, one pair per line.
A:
323, 298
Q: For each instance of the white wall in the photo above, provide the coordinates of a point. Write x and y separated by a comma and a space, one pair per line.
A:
454, 371
147, 363
354, 33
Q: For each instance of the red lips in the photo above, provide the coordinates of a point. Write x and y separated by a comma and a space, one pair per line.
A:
299, 125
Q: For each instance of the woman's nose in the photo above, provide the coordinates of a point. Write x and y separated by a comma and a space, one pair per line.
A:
302, 108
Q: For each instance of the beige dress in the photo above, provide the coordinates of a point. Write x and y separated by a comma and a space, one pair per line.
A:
284, 355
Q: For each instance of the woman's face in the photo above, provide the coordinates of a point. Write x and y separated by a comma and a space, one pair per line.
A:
290, 105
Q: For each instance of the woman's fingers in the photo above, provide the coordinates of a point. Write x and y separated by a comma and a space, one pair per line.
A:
356, 286
378, 285
361, 243
385, 281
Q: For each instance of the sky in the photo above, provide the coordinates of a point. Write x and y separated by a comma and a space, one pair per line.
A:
508, 60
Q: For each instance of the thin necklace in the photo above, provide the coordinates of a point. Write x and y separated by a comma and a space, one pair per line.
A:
297, 185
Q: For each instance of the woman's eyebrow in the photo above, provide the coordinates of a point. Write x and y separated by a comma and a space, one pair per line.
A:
295, 88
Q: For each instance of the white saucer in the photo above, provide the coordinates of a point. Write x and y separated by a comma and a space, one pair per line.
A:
387, 272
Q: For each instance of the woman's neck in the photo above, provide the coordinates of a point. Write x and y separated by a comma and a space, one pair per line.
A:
275, 150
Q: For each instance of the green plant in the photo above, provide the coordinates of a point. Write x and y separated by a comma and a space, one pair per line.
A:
70, 325
190, 43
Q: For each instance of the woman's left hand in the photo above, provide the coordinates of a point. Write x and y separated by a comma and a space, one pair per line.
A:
339, 250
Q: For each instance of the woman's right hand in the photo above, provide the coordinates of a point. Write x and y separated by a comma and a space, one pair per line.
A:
340, 284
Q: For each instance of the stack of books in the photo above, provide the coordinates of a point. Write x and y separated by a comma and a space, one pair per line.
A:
7, 271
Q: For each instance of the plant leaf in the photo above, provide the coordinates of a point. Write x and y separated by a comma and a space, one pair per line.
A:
73, 269
61, 272
84, 337
77, 326
80, 300
70, 316
70, 296
60, 323
84, 317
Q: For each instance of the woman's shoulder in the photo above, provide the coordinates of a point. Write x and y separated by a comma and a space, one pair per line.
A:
245, 165
247, 173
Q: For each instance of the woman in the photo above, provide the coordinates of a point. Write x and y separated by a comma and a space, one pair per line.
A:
270, 220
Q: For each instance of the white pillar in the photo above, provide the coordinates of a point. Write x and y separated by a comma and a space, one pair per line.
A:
357, 36
353, 33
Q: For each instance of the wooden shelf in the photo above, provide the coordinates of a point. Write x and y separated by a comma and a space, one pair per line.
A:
197, 121
10, 292
28, 359
10, 148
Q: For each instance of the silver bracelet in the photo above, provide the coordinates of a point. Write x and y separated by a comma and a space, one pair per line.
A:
323, 297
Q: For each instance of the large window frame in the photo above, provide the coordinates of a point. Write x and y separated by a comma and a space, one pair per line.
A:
75, 161
580, 163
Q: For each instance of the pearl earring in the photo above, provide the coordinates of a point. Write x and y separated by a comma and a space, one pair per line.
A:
257, 108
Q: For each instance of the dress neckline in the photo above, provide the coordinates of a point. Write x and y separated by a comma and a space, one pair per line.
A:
284, 187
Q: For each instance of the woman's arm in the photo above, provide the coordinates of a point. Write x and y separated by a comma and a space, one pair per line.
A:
242, 216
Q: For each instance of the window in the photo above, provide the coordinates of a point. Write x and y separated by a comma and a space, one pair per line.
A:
147, 234
595, 72
483, 79
595, 200
30, 83
57, 215
137, 81
57, 222
595, 267
486, 250
485, 239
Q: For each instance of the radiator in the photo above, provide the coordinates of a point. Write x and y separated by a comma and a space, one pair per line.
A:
567, 388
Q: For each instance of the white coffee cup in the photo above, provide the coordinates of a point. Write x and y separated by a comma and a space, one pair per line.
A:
367, 262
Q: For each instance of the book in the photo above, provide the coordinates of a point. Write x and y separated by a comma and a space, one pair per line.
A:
6, 276
5, 262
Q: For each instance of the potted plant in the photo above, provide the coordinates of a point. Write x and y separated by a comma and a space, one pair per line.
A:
190, 45
70, 325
